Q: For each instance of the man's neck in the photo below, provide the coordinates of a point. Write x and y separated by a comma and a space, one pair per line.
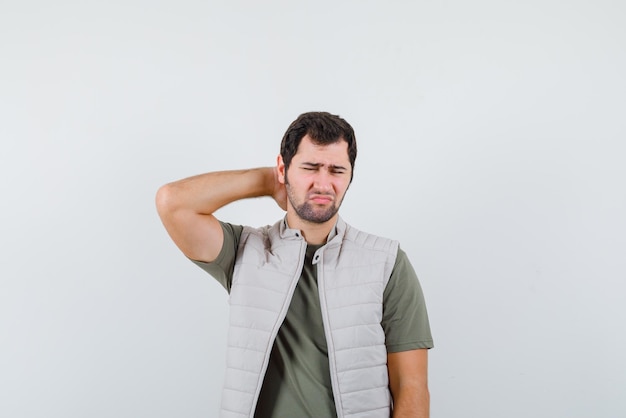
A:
313, 233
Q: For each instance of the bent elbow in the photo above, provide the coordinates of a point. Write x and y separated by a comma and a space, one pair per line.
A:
164, 200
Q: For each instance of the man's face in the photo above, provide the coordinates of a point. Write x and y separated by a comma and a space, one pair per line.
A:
317, 180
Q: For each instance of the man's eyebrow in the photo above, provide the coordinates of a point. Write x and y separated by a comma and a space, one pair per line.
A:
318, 165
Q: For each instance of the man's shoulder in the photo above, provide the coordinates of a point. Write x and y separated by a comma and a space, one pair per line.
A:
265, 230
263, 236
368, 240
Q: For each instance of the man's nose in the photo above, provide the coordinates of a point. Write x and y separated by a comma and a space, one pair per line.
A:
323, 181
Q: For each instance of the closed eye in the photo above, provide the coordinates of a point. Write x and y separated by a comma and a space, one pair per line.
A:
310, 166
333, 169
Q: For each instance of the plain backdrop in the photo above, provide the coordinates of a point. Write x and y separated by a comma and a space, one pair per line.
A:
491, 145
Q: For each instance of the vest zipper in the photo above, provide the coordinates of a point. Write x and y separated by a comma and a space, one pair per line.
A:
330, 345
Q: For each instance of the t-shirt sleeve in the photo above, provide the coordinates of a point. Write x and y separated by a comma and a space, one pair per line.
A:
405, 319
223, 266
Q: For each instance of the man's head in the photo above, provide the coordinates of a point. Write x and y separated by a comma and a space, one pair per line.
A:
316, 165
322, 128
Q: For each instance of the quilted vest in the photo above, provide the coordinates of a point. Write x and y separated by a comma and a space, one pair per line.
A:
353, 269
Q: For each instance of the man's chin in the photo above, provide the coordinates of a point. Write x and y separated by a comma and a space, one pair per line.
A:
316, 217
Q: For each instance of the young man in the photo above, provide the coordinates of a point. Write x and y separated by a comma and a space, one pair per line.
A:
325, 320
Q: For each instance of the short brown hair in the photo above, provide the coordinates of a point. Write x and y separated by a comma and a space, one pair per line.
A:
323, 128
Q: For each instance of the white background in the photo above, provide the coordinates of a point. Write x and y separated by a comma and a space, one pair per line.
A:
491, 144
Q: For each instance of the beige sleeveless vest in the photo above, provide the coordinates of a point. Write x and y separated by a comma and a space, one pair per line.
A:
353, 269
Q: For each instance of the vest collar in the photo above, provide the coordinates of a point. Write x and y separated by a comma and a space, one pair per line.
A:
334, 237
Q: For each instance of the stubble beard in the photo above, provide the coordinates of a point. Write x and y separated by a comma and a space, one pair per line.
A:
307, 212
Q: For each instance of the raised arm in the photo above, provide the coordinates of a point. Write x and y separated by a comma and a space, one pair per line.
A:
186, 206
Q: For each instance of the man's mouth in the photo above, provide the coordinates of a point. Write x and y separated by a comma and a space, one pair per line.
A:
321, 199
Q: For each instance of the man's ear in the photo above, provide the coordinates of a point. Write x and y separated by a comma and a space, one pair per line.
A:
280, 169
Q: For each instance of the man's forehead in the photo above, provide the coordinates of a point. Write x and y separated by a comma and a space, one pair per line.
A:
337, 150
